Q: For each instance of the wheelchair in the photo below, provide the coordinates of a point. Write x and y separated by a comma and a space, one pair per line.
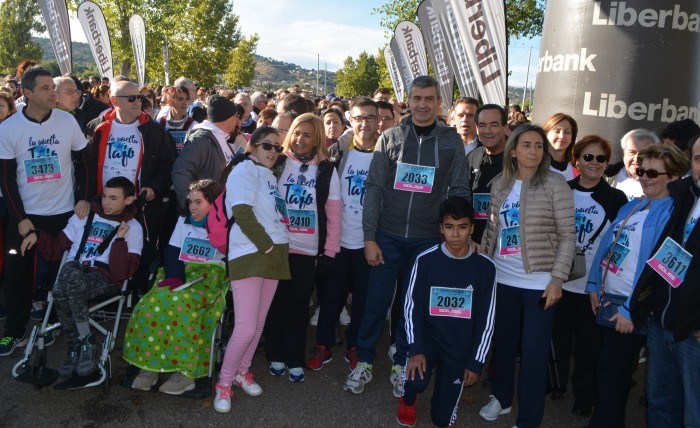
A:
150, 337
32, 367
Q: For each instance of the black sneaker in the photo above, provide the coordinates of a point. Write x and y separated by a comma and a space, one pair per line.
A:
87, 356
49, 337
38, 310
68, 367
8, 344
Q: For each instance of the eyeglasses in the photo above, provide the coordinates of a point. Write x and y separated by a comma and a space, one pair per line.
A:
269, 146
69, 91
369, 119
132, 98
588, 157
281, 130
651, 173
301, 180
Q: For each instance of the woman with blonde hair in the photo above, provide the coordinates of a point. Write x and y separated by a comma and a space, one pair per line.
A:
310, 188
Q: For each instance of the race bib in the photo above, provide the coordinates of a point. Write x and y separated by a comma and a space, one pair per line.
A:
44, 169
414, 178
451, 302
281, 208
510, 241
617, 257
99, 231
671, 262
179, 137
197, 250
482, 201
302, 221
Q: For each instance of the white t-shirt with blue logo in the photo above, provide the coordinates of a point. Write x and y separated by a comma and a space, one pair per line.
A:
352, 191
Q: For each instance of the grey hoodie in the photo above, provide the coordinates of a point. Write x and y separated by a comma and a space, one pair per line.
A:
412, 214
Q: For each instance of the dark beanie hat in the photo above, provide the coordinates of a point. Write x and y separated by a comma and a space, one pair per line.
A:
220, 108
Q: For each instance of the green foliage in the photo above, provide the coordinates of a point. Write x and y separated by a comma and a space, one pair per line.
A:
358, 77
383, 71
18, 18
524, 17
241, 68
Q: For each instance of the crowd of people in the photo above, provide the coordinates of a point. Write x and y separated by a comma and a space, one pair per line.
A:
491, 242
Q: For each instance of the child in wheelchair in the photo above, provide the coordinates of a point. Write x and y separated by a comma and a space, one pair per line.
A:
104, 249
171, 328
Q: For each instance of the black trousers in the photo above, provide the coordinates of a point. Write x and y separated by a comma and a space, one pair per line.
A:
20, 271
288, 317
618, 357
574, 320
151, 218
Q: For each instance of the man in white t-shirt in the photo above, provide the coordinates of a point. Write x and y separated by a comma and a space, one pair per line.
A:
623, 175
44, 164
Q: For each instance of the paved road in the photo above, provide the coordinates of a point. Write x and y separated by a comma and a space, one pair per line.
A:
319, 401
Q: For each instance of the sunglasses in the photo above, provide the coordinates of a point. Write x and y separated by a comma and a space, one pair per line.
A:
269, 146
301, 180
588, 157
651, 173
132, 98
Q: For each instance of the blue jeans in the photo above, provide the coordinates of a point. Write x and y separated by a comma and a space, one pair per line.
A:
399, 254
673, 379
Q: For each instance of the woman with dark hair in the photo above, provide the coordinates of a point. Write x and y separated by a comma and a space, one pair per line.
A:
257, 257
334, 125
530, 237
561, 132
101, 94
596, 205
7, 104
311, 190
623, 253
170, 329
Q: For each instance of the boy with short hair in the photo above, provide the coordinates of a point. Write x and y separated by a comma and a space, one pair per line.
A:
104, 249
450, 307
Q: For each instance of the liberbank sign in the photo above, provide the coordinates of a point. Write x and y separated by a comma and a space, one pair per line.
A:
616, 66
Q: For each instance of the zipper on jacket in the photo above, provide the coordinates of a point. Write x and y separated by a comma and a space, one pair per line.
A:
410, 199
523, 198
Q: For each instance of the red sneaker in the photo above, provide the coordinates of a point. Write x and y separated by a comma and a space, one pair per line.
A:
406, 415
352, 358
319, 357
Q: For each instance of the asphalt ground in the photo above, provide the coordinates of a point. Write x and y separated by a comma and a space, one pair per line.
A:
319, 401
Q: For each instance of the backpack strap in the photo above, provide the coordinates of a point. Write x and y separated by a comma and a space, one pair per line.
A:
86, 233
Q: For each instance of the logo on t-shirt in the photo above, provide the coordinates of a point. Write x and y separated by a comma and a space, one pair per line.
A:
356, 185
122, 148
41, 148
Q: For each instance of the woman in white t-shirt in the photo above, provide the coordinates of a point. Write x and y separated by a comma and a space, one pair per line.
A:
257, 254
310, 189
531, 238
561, 131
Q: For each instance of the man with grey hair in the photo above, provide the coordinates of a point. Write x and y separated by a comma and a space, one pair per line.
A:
623, 175
69, 96
259, 101
248, 121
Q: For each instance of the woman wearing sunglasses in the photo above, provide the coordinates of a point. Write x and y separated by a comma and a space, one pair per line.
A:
310, 187
257, 257
621, 257
596, 205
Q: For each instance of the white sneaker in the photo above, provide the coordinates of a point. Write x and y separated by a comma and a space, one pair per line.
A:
247, 384
397, 378
222, 401
358, 378
344, 317
493, 410
314, 319
392, 351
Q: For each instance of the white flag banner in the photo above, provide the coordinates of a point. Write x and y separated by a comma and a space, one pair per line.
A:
394, 73
137, 29
413, 61
55, 14
95, 28
166, 61
455, 48
482, 29
436, 45
399, 61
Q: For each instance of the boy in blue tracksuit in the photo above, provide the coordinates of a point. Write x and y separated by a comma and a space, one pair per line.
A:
450, 307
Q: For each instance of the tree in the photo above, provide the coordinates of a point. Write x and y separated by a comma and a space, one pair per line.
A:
360, 77
383, 71
18, 18
524, 17
241, 68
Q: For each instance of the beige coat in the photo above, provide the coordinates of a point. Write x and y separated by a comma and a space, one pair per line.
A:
547, 226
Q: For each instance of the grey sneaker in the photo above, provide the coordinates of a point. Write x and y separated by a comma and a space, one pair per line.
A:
493, 409
177, 384
87, 357
66, 370
145, 380
397, 378
361, 375
9, 343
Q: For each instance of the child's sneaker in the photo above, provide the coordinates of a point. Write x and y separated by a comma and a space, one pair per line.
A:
492, 410
277, 368
145, 380
178, 384
66, 370
358, 378
344, 317
247, 384
320, 356
406, 415
296, 374
222, 401
9, 343
87, 356
396, 379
